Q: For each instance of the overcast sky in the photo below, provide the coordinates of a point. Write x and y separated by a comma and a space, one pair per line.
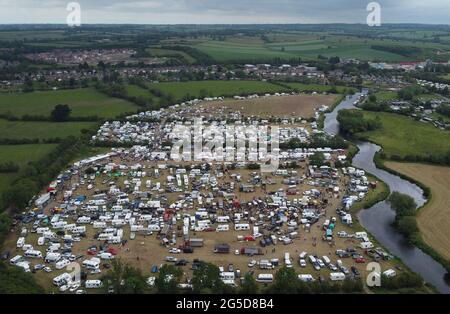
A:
224, 11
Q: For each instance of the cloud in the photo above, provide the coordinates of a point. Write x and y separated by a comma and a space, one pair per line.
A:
220, 11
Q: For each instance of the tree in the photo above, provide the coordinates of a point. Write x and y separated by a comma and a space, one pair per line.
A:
285, 281
125, 279
168, 279
206, 279
372, 98
317, 159
249, 285
61, 113
13, 280
404, 205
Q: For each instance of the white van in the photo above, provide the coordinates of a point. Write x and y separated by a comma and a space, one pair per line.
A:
16, 259
33, 254
104, 236
92, 264
366, 245
287, 260
221, 228
306, 277
106, 256
389, 273
326, 260
41, 241
238, 227
93, 284
265, 278
52, 257
99, 225
62, 263
337, 276
62, 279
20, 242
84, 220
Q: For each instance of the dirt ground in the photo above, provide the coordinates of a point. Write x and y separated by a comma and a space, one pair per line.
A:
145, 251
283, 106
434, 219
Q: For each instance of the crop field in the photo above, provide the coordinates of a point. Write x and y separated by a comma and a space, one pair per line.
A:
216, 88
310, 46
282, 106
41, 130
434, 218
83, 102
403, 136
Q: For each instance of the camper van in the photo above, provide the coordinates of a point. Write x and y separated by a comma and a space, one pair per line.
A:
92, 264
238, 227
287, 260
62, 263
306, 277
221, 228
265, 278
16, 259
52, 257
62, 279
33, 254
20, 242
93, 284
99, 225
337, 276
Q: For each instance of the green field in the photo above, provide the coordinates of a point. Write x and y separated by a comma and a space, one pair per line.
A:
403, 136
216, 88
446, 76
136, 91
318, 88
22, 154
309, 47
41, 130
158, 52
83, 102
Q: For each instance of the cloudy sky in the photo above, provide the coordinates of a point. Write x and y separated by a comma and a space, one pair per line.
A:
224, 11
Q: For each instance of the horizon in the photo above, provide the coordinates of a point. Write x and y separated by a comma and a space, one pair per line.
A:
210, 12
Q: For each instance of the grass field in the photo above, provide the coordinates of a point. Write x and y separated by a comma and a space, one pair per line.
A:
22, 154
446, 76
158, 52
403, 136
283, 106
434, 218
83, 102
318, 88
309, 47
136, 91
41, 130
216, 88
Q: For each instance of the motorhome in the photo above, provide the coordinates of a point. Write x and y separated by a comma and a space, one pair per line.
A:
33, 254
238, 227
93, 284
265, 278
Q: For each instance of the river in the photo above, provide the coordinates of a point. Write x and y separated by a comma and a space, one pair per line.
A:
379, 218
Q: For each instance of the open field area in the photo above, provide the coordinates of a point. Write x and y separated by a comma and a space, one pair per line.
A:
434, 218
301, 87
403, 136
309, 46
41, 130
83, 102
282, 106
216, 88
22, 154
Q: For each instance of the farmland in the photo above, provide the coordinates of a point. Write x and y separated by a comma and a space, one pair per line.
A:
396, 136
22, 154
83, 102
434, 218
41, 130
283, 106
309, 46
215, 88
